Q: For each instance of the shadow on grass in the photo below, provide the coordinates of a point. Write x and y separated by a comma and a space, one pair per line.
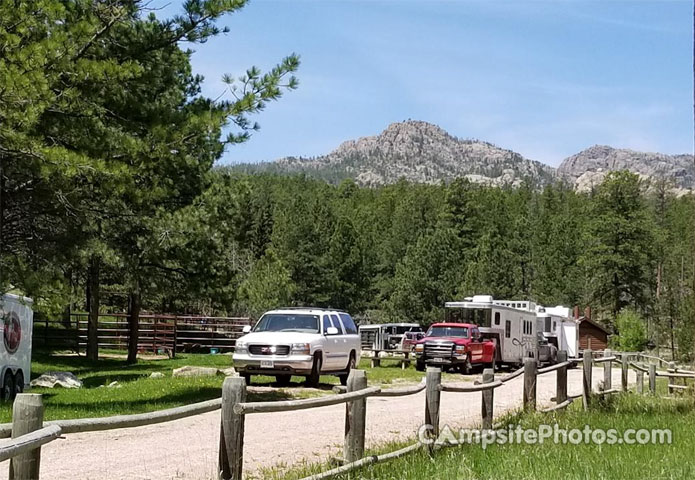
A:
97, 380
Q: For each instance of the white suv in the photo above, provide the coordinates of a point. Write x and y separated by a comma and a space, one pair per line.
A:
299, 341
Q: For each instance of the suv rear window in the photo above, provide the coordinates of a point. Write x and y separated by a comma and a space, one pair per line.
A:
349, 325
285, 322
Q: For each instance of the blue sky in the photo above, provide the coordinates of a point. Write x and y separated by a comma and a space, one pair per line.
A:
544, 78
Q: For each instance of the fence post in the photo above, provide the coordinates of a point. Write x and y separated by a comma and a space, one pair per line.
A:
232, 429
530, 371
355, 418
607, 371
27, 416
671, 380
561, 378
488, 399
640, 381
176, 337
623, 372
652, 378
588, 361
433, 394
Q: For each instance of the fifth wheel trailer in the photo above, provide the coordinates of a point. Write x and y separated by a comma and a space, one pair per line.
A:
15, 347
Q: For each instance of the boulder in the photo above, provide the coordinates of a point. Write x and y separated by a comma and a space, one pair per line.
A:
188, 371
383, 354
60, 379
156, 375
229, 372
114, 385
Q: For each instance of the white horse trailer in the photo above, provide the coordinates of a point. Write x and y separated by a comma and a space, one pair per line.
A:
511, 324
15, 348
560, 328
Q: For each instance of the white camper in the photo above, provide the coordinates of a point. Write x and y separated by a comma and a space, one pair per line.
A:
559, 328
15, 347
511, 324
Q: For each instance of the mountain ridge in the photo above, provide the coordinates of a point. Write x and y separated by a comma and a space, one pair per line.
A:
425, 153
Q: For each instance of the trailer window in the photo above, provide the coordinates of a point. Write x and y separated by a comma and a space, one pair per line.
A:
478, 316
507, 329
497, 318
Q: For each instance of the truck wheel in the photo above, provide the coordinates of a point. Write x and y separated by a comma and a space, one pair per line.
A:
466, 366
246, 377
493, 363
313, 379
283, 380
18, 383
351, 364
8, 386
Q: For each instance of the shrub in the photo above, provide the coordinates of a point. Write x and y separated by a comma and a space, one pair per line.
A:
632, 334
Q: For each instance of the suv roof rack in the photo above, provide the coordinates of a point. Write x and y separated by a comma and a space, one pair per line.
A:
321, 309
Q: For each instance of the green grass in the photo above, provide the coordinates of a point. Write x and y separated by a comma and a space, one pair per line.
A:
556, 461
139, 393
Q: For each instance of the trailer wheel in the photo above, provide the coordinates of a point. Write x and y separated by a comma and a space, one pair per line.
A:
8, 386
18, 383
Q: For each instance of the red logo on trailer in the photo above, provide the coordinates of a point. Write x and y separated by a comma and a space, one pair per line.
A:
12, 332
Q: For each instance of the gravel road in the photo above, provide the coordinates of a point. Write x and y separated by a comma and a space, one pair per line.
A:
188, 448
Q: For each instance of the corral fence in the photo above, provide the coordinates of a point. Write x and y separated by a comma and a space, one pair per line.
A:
157, 333
29, 432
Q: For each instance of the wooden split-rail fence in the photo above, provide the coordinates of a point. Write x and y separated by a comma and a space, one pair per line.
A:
29, 432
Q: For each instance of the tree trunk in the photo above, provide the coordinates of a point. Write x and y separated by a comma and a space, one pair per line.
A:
134, 304
93, 301
692, 293
67, 309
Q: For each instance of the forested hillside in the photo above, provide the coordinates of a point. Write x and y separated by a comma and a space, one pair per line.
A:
398, 252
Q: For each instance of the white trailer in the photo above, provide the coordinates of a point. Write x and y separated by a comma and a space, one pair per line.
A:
511, 324
15, 347
559, 328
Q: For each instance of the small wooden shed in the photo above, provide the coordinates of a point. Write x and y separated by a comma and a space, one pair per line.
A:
592, 335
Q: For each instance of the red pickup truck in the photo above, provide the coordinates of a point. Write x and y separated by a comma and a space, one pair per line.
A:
457, 345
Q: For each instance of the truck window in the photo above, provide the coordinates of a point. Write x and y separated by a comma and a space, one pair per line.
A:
349, 325
507, 329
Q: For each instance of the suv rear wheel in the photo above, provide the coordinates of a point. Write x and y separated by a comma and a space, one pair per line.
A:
350, 366
313, 379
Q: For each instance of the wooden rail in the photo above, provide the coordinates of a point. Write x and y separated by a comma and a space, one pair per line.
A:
552, 368
402, 391
29, 442
126, 421
481, 387
291, 405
